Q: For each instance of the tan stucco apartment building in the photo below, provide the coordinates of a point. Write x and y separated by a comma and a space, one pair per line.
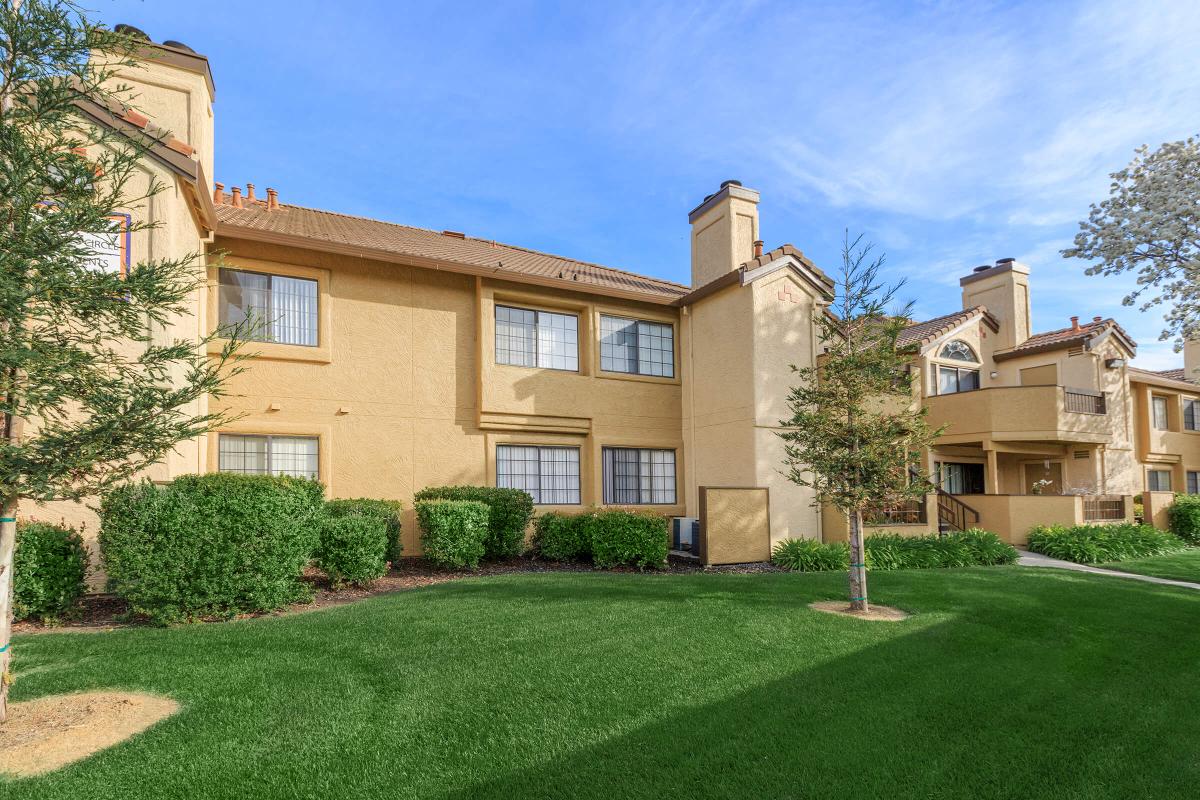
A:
400, 358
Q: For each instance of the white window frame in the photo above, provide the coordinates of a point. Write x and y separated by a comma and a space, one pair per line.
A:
506, 455
269, 442
263, 333
637, 325
648, 493
542, 355
937, 378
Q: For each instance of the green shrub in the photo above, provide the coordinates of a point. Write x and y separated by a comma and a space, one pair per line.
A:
1184, 515
49, 568
353, 549
809, 555
454, 533
215, 544
634, 538
563, 537
1092, 544
388, 511
509, 513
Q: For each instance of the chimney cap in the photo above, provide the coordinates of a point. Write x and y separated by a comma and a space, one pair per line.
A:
982, 268
1074, 323
1007, 260
730, 183
178, 45
132, 32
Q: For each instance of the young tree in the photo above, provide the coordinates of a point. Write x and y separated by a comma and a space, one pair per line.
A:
1150, 225
92, 390
855, 436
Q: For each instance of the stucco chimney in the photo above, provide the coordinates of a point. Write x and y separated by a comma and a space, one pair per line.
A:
1004, 290
1191, 360
724, 229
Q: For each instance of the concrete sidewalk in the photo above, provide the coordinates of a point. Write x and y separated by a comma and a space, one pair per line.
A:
1028, 559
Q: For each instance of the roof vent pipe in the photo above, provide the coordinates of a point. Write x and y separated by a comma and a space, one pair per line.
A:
758, 246
272, 199
1074, 323
237, 197
218, 194
250, 192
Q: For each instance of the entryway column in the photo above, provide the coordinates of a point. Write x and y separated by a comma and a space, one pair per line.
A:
991, 480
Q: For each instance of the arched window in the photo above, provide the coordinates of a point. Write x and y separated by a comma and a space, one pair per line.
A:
958, 351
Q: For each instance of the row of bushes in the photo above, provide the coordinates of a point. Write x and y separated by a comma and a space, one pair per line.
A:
1094, 544
890, 551
608, 538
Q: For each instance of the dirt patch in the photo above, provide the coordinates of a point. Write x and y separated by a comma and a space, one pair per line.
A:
877, 613
106, 612
50, 732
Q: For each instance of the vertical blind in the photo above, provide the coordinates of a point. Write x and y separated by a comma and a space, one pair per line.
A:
527, 338
638, 476
268, 455
549, 474
637, 346
281, 309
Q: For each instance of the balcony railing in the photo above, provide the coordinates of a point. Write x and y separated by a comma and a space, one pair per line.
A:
911, 512
1084, 401
1100, 508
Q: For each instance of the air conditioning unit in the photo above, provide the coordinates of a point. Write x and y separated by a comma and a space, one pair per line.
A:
685, 533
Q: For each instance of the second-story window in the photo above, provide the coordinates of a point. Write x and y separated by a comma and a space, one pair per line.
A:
1191, 414
278, 308
1158, 409
953, 379
637, 346
528, 338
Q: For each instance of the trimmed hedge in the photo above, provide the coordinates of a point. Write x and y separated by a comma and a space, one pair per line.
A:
631, 538
1093, 544
563, 537
890, 551
49, 570
509, 513
215, 544
809, 555
353, 549
388, 511
454, 533
1184, 517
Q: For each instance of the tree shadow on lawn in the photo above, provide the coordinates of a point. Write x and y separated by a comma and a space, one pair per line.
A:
1076, 687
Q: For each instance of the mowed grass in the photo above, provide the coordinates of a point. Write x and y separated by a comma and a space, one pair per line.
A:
1182, 566
1007, 682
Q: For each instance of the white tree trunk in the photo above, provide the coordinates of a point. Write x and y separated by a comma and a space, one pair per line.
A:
858, 565
8, 544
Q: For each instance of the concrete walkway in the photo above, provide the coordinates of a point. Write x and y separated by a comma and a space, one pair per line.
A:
1029, 559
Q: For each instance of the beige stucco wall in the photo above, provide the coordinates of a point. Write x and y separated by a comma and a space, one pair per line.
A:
404, 391
1155, 508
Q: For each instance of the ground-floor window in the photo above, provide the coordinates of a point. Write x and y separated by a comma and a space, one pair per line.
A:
1193, 482
549, 474
638, 476
268, 455
1158, 480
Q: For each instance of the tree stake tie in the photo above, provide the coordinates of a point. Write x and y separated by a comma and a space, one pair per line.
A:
852, 599
8, 519
858, 565
5, 647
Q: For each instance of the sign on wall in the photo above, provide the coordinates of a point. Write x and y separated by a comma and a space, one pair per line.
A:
109, 250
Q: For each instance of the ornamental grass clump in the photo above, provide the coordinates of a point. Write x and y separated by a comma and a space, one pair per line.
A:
809, 555
1094, 544
887, 551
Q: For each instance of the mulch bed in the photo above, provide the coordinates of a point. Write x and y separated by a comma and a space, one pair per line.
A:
102, 612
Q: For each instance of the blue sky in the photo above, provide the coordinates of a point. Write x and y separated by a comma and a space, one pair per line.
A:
949, 133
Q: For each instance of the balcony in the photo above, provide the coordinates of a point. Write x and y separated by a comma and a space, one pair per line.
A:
1022, 413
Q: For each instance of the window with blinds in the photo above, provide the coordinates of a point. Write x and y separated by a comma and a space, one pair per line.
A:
549, 474
1158, 410
636, 346
528, 338
277, 308
268, 455
1158, 480
1191, 419
638, 476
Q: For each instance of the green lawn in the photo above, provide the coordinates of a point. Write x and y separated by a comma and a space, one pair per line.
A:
1183, 566
1008, 682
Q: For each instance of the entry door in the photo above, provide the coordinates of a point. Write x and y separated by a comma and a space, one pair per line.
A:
1044, 472
961, 478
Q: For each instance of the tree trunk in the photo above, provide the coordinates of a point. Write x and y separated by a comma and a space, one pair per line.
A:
8, 544
858, 565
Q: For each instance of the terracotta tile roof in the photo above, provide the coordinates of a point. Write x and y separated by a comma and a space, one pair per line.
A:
920, 334
1066, 337
1171, 374
326, 230
788, 250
